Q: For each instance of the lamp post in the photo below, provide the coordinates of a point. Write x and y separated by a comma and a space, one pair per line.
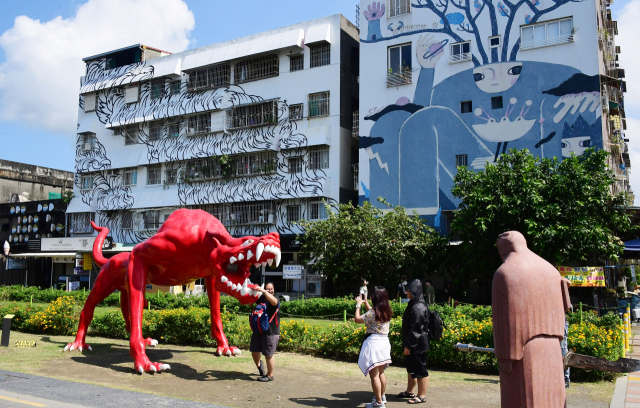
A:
6, 248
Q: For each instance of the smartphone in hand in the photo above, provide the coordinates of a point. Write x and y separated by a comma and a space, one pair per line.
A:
362, 296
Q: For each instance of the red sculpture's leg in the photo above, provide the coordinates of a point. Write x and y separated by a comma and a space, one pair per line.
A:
126, 314
216, 321
137, 280
106, 283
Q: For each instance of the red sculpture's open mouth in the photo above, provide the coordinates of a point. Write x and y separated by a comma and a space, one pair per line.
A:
234, 278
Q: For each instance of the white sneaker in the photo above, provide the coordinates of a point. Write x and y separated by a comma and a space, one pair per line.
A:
375, 404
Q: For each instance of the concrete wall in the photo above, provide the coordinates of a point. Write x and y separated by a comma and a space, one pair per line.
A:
38, 182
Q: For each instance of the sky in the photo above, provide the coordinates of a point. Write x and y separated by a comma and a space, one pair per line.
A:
42, 43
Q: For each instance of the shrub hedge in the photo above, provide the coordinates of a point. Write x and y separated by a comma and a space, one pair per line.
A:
596, 336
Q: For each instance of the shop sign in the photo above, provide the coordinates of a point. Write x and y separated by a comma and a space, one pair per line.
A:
72, 244
584, 276
13, 263
291, 271
88, 261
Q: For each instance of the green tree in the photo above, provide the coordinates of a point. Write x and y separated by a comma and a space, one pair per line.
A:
565, 210
364, 241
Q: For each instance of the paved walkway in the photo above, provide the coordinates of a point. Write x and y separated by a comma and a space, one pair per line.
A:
627, 392
19, 390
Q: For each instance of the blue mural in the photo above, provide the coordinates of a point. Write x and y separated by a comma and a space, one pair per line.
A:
475, 115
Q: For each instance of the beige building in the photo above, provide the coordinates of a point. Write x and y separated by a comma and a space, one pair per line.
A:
26, 182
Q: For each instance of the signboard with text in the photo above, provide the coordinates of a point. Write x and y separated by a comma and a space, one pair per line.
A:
291, 271
13, 263
583, 276
72, 244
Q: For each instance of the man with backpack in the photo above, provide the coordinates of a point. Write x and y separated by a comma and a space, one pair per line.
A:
265, 324
415, 340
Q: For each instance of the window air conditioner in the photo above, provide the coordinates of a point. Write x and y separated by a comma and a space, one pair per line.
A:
314, 288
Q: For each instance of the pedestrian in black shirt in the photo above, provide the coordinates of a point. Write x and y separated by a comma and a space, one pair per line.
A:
265, 343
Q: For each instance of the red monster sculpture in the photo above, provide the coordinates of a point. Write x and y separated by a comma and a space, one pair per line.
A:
191, 244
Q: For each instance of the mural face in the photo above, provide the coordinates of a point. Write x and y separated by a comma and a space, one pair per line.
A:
473, 115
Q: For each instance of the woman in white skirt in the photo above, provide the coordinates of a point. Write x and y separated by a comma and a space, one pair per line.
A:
375, 355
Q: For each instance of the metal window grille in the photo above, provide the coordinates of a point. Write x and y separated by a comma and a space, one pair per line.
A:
319, 104
174, 130
256, 163
355, 127
255, 212
87, 182
80, 223
399, 7
88, 141
155, 131
151, 219
261, 114
356, 181
154, 174
174, 87
319, 157
199, 124
296, 62
295, 111
317, 211
547, 33
157, 89
208, 78
461, 160
295, 165
293, 213
256, 68
320, 54
217, 210
171, 176
460, 52
131, 134
126, 220
131, 176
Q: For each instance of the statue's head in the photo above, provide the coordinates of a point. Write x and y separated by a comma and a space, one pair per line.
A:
497, 77
231, 260
511, 241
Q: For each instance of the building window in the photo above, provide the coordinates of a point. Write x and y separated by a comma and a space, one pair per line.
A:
131, 176
90, 102
174, 87
208, 78
319, 104
255, 212
293, 213
296, 62
461, 160
126, 220
255, 115
130, 134
399, 7
112, 173
256, 163
317, 211
295, 165
88, 141
256, 68
217, 210
174, 130
80, 223
320, 54
154, 174
155, 131
494, 42
295, 111
399, 65
465, 107
151, 219
547, 33
460, 52
496, 102
86, 182
319, 157
171, 176
199, 124
240, 165
157, 89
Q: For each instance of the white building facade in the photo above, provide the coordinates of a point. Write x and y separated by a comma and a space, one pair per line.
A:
457, 83
256, 131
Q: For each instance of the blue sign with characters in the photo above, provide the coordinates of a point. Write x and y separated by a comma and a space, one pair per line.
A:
291, 272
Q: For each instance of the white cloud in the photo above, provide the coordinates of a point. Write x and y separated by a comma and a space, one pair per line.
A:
40, 80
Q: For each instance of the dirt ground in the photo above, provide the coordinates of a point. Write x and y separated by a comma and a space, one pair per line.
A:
300, 380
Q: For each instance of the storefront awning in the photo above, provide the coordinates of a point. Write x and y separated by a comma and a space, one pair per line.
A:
633, 245
43, 255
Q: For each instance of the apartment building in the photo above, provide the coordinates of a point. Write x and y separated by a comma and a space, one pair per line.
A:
256, 131
457, 83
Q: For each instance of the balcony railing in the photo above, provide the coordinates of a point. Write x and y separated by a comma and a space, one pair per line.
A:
455, 58
398, 78
355, 127
543, 42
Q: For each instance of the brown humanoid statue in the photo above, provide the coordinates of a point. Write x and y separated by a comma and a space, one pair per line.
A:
529, 303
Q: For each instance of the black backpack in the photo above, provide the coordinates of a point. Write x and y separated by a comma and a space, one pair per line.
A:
436, 325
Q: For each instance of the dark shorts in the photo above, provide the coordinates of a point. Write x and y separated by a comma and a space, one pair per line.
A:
264, 343
416, 365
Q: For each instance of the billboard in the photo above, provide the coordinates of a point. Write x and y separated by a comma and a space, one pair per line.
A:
584, 276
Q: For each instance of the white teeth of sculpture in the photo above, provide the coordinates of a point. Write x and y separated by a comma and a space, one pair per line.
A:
257, 265
262, 286
278, 258
238, 287
224, 279
229, 283
244, 290
270, 262
233, 286
249, 254
233, 260
264, 263
259, 250
247, 242
240, 257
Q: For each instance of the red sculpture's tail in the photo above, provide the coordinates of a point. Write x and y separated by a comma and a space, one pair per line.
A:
97, 244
